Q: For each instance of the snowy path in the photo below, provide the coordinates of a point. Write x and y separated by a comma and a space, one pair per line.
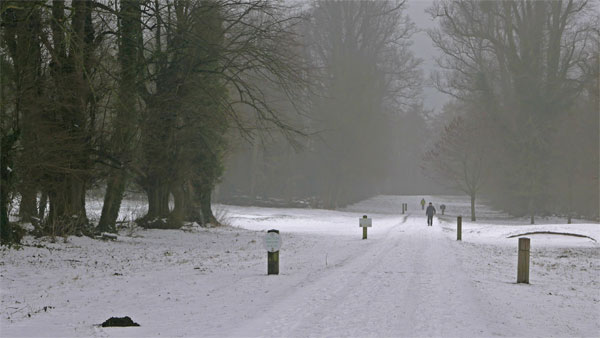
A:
406, 280
407, 283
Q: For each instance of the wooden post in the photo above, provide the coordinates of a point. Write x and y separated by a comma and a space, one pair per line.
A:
523, 261
364, 228
459, 228
273, 260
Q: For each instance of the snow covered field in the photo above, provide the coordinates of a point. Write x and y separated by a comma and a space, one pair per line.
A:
407, 279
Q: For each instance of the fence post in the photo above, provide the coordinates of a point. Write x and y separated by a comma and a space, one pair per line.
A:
273, 259
523, 261
459, 228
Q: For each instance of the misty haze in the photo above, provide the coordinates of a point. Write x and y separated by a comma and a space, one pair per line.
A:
263, 168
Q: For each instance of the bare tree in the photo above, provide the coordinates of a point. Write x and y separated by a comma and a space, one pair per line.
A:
174, 86
198, 52
53, 50
124, 124
367, 74
460, 158
22, 41
524, 56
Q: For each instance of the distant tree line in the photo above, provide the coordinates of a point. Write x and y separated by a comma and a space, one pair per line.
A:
368, 125
523, 127
138, 92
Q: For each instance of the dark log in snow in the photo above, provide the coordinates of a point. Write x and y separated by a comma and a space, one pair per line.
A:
119, 321
551, 233
108, 235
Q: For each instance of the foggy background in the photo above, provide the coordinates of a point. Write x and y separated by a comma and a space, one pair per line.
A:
363, 143
350, 155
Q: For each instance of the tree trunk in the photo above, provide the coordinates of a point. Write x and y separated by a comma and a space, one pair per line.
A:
7, 235
124, 129
66, 140
42, 205
473, 207
28, 205
67, 213
569, 198
531, 210
158, 202
112, 201
254, 171
205, 205
193, 211
21, 38
176, 217
6, 231
158, 206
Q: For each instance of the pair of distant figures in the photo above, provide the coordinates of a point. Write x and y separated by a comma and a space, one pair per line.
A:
430, 212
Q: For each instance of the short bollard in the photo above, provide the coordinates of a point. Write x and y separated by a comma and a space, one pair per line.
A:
459, 228
272, 244
364, 223
523, 261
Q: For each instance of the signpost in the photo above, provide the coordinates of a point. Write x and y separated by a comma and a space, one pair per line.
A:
364, 223
272, 244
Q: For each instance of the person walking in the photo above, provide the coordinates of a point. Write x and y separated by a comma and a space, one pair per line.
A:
430, 212
423, 204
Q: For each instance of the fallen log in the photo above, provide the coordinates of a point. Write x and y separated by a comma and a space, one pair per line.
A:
108, 235
551, 233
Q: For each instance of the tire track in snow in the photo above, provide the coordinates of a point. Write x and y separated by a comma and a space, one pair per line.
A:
313, 293
344, 300
407, 284
402, 293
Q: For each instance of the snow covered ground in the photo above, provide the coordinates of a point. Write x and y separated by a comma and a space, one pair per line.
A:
406, 279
